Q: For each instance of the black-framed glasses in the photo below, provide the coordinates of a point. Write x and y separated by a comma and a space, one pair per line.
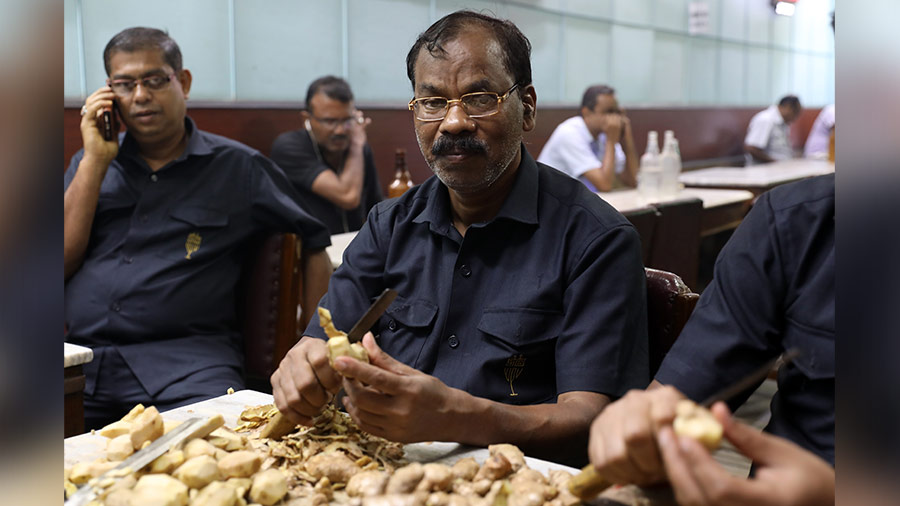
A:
125, 87
476, 105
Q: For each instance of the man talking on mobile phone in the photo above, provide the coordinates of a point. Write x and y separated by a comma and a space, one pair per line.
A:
156, 223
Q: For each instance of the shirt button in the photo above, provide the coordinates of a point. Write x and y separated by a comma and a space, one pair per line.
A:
129, 260
453, 341
116, 307
392, 325
465, 270
154, 177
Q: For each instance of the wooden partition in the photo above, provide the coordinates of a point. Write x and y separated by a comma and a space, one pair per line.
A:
707, 136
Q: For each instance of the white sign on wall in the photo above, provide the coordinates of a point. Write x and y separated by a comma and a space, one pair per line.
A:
698, 18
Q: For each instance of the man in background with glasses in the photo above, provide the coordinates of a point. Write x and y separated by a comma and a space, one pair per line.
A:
597, 146
521, 310
329, 161
157, 225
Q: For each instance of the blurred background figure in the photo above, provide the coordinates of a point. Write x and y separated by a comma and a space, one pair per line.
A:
329, 161
819, 143
597, 146
768, 136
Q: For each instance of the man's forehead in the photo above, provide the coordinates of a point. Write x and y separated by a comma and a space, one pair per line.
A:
471, 63
144, 60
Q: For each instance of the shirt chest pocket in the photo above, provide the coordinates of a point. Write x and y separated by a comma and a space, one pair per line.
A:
816, 347
404, 327
521, 330
193, 232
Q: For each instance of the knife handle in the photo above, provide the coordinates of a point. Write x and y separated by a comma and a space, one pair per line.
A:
588, 483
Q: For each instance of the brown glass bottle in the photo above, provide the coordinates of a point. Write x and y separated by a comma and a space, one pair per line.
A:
402, 180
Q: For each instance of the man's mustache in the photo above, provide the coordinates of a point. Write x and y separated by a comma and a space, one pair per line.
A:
458, 145
338, 138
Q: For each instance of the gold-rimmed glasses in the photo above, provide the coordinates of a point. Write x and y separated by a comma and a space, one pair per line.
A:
125, 87
476, 105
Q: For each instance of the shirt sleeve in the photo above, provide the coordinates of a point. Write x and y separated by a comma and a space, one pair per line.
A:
620, 158
358, 281
605, 318
570, 154
73, 168
371, 184
735, 326
758, 131
295, 154
275, 205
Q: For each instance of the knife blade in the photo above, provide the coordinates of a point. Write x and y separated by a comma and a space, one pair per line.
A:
189, 429
372, 315
589, 482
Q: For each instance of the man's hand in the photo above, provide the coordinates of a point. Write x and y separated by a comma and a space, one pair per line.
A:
358, 137
392, 400
785, 473
623, 444
614, 127
95, 146
304, 381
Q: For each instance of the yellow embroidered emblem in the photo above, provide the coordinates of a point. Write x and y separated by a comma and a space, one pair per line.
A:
512, 370
192, 244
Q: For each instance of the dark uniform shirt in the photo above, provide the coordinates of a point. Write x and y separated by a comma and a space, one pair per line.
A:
166, 250
773, 289
546, 298
295, 153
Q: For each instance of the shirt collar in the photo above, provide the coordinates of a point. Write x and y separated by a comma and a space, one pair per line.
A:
776, 114
520, 205
197, 144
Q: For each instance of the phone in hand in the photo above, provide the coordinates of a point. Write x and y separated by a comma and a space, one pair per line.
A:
111, 122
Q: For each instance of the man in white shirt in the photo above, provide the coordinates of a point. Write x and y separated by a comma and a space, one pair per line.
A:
596, 147
767, 137
820, 134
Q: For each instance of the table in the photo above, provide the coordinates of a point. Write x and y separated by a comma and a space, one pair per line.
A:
74, 357
722, 210
757, 178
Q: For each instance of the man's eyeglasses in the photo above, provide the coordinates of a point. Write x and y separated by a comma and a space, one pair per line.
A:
125, 87
333, 123
476, 105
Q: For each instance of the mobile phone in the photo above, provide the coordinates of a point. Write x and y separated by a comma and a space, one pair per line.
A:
111, 122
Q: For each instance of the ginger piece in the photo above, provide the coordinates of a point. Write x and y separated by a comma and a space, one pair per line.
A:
84, 471
227, 439
526, 474
198, 447
115, 429
697, 422
437, 477
240, 485
240, 464
328, 325
366, 483
159, 490
465, 469
167, 462
198, 472
119, 497
530, 493
512, 453
405, 479
119, 448
416, 499
134, 413
216, 493
445, 499
336, 466
268, 487
148, 426
496, 466
472, 488
338, 344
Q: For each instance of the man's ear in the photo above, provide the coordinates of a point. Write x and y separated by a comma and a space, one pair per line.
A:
529, 104
184, 77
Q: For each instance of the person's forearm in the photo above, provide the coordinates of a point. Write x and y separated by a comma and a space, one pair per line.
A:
79, 206
351, 177
758, 154
629, 175
558, 432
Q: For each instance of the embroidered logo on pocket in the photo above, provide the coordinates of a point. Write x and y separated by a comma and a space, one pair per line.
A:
192, 244
513, 368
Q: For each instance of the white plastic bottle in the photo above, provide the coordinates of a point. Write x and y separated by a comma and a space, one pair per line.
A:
670, 165
650, 174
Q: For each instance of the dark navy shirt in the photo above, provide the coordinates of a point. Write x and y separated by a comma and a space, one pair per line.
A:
773, 289
166, 250
546, 298
296, 154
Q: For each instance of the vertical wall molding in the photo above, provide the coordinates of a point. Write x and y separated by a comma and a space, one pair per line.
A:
82, 70
232, 50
